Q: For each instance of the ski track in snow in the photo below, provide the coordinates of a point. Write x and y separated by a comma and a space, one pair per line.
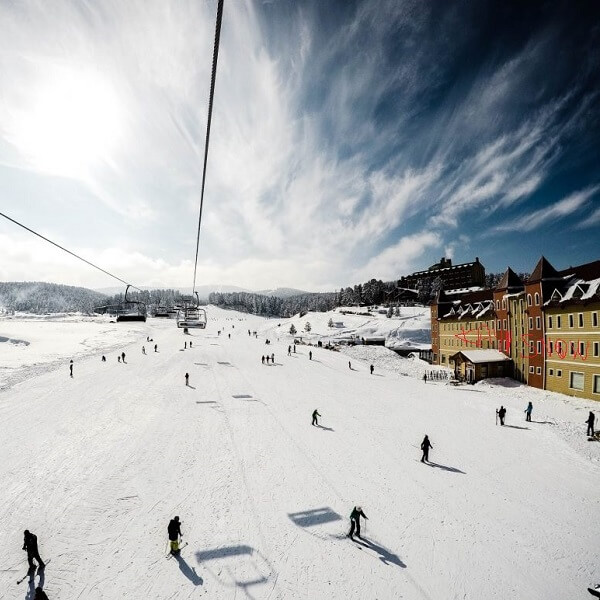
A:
98, 464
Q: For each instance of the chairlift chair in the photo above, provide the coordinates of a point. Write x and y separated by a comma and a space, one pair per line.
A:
191, 316
131, 310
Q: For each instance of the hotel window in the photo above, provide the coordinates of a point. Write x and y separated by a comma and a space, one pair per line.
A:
595, 319
580, 319
539, 347
528, 299
497, 304
550, 371
530, 323
596, 384
558, 321
538, 322
572, 348
571, 321
576, 380
596, 348
550, 347
559, 347
503, 303
504, 324
582, 349
550, 322
531, 347
538, 370
559, 372
537, 299
532, 370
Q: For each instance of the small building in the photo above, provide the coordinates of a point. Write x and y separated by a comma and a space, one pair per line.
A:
474, 365
338, 324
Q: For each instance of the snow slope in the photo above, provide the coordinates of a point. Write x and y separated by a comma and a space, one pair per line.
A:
96, 466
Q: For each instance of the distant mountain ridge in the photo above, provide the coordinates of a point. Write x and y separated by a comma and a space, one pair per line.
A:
281, 292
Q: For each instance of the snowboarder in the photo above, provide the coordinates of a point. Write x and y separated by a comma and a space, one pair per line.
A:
143, 349
103, 358
40, 594
187, 379
425, 445
289, 350
425, 378
155, 347
71, 368
501, 414
372, 368
528, 412
355, 516
123, 356
310, 355
174, 530
315, 415
590, 424
30, 544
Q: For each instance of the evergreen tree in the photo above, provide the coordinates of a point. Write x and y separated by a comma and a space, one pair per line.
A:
293, 330
307, 327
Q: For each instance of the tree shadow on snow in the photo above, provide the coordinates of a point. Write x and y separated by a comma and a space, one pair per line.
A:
188, 571
385, 556
446, 468
515, 426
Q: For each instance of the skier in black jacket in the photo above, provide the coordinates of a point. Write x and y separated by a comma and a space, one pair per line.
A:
315, 415
590, 424
425, 445
174, 530
502, 414
30, 544
355, 516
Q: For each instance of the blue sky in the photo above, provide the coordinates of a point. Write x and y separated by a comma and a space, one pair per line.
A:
350, 140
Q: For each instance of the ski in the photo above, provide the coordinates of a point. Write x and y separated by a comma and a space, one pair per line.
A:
180, 549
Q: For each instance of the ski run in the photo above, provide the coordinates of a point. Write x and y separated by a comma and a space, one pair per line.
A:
96, 465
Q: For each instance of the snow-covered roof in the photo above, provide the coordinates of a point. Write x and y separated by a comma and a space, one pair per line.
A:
475, 288
483, 356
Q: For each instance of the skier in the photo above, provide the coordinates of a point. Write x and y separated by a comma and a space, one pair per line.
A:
350, 365
103, 358
372, 368
229, 335
185, 345
174, 530
315, 415
289, 350
425, 445
143, 349
118, 358
310, 355
273, 358
123, 356
590, 424
425, 378
268, 358
355, 516
502, 414
71, 368
263, 359
30, 544
190, 343
40, 594
155, 347
528, 411
187, 379
294, 348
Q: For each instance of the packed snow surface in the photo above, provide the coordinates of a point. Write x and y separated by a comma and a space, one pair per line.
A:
96, 465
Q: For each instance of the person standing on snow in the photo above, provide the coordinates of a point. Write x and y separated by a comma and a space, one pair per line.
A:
185, 345
289, 350
528, 412
143, 349
31, 545
315, 415
355, 516
71, 368
273, 358
190, 343
155, 347
350, 365
122, 356
103, 358
501, 414
263, 359
174, 530
590, 424
187, 379
425, 378
372, 369
425, 445
310, 355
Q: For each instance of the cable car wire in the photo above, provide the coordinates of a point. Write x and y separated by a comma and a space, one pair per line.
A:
69, 252
210, 106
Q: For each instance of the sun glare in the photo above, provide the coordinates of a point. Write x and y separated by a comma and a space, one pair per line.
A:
71, 124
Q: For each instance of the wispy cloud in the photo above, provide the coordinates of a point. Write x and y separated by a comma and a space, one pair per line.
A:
563, 208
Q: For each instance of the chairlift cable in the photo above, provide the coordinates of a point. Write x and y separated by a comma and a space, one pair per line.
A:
210, 106
69, 252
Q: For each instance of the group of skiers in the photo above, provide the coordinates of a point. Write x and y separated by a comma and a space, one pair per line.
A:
267, 358
436, 376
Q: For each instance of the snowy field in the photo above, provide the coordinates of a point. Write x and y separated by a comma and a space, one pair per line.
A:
97, 465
